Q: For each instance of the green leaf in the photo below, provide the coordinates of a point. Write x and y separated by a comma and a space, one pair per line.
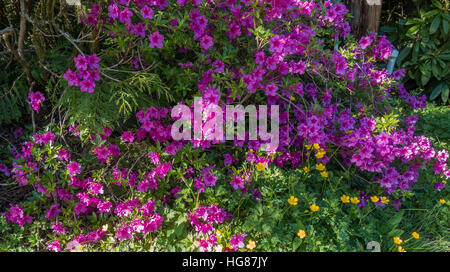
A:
404, 53
437, 4
436, 91
426, 75
430, 13
445, 26
444, 93
435, 24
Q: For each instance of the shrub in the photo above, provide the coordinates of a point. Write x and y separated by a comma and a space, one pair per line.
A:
345, 163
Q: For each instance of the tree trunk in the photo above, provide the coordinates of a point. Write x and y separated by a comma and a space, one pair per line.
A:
366, 16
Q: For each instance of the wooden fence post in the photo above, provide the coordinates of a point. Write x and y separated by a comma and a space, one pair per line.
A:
366, 16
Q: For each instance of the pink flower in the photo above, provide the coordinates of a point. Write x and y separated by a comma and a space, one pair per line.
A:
234, 31
87, 86
114, 11
125, 16
80, 62
219, 65
147, 12
58, 228
17, 215
35, 100
139, 30
54, 246
156, 40
74, 168
128, 137
206, 42
93, 61
72, 78
53, 211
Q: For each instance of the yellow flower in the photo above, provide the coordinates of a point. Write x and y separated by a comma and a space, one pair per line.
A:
306, 169
292, 98
260, 166
293, 201
348, 131
251, 244
268, 206
301, 233
374, 199
308, 146
397, 240
314, 208
415, 235
218, 233
320, 167
401, 249
251, 150
442, 201
320, 155
324, 174
316, 146
384, 200
345, 199
445, 182
354, 200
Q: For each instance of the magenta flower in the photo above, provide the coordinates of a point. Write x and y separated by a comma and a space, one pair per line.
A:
114, 11
147, 12
93, 61
17, 215
35, 100
206, 42
127, 137
156, 40
58, 228
53, 211
81, 62
54, 246
125, 16
72, 78
139, 30
74, 168
87, 86
234, 31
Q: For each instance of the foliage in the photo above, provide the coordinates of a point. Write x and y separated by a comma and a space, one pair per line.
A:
348, 166
423, 40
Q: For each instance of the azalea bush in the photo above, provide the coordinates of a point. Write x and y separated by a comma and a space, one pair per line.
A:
107, 175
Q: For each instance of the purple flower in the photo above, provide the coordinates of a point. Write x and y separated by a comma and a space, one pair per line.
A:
54, 246
53, 211
127, 137
147, 12
74, 168
93, 61
72, 78
156, 40
87, 86
206, 42
237, 242
125, 16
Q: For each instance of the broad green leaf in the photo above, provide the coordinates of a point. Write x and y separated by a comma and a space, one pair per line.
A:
404, 53
445, 26
436, 91
435, 24
426, 75
437, 4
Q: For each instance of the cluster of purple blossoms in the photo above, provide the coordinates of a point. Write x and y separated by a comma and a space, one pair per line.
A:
87, 73
18, 216
35, 99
